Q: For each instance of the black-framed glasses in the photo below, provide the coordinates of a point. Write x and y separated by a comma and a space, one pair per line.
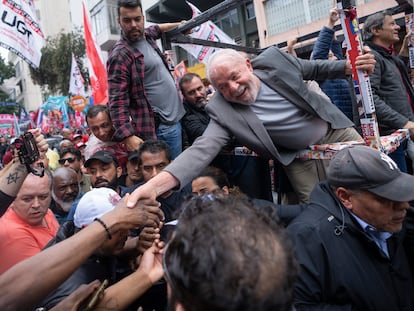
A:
70, 160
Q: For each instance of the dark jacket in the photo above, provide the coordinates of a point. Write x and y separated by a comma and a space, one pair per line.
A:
285, 213
194, 122
94, 268
338, 90
392, 91
5, 201
341, 267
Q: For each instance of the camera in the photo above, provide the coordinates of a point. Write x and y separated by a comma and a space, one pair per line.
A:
28, 153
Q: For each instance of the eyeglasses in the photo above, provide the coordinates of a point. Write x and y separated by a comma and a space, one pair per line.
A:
70, 160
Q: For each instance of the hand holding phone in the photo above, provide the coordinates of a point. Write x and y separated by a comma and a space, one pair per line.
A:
95, 297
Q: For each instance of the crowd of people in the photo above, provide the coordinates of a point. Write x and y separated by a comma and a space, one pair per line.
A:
153, 211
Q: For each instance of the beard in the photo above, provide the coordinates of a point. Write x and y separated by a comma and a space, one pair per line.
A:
113, 183
201, 104
64, 205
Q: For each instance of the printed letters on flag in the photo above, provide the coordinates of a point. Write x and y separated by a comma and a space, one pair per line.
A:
19, 30
206, 31
97, 70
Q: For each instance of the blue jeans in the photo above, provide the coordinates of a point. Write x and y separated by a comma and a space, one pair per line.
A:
171, 134
399, 156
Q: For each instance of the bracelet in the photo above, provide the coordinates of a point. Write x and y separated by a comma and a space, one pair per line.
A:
108, 231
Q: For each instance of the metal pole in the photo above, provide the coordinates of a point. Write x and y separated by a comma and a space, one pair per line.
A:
220, 8
176, 35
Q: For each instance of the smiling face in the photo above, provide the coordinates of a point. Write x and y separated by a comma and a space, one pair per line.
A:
234, 79
383, 214
132, 21
388, 34
33, 200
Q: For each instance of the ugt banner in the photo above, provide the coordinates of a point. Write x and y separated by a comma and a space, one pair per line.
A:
19, 30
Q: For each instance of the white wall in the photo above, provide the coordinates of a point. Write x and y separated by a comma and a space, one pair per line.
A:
54, 16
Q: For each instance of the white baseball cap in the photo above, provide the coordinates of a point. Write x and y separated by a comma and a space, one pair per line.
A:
94, 204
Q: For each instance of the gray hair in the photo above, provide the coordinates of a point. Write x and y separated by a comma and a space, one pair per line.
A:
222, 56
375, 21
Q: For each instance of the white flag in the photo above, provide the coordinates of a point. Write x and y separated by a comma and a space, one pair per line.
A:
77, 84
206, 31
20, 31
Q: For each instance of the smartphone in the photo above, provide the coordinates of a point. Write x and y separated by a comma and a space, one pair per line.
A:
95, 297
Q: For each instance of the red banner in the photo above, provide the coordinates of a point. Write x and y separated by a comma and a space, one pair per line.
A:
97, 70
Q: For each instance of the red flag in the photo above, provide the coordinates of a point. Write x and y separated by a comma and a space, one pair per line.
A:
97, 70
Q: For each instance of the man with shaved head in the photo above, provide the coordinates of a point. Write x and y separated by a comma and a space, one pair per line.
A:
28, 224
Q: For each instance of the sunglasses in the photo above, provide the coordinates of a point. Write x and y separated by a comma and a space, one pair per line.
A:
70, 160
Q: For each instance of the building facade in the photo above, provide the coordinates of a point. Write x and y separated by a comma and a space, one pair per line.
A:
54, 17
280, 20
256, 23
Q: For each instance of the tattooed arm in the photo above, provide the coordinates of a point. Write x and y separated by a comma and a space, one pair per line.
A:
14, 173
11, 178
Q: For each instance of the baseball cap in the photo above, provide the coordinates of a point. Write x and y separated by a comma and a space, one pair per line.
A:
94, 204
104, 156
76, 135
80, 144
365, 168
133, 155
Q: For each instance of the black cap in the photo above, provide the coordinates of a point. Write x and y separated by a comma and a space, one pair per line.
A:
104, 156
133, 155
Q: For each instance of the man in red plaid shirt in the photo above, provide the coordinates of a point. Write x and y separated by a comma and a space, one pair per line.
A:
144, 102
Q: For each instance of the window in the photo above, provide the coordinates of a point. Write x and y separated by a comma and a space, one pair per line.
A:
283, 15
98, 19
250, 13
113, 19
229, 24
